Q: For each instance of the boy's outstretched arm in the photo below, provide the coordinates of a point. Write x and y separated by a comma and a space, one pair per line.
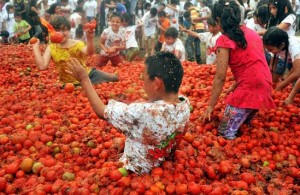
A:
78, 72
42, 61
190, 32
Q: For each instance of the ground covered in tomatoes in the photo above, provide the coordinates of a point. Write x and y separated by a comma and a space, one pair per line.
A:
52, 142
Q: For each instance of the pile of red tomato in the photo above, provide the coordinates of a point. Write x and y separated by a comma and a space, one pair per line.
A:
52, 142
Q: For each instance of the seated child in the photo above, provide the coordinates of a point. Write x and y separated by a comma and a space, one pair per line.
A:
210, 38
21, 29
60, 53
112, 41
151, 128
173, 44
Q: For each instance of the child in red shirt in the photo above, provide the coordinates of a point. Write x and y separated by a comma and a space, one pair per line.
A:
242, 50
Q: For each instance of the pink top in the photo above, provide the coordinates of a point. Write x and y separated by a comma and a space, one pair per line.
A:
251, 72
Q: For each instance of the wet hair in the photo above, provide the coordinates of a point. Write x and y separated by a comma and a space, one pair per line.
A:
128, 18
262, 14
211, 22
167, 67
187, 5
280, 15
153, 11
171, 32
275, 37
60, 22
117, 15
229, 14
51, 9
79, 31
162, 13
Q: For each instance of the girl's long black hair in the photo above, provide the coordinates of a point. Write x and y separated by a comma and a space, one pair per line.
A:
281, 6
229, 14
275, 37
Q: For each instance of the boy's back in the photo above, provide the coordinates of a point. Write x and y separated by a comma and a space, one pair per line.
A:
150, 129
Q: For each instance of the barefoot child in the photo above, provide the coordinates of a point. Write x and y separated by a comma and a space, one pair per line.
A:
69, 48
112, 41
151, 128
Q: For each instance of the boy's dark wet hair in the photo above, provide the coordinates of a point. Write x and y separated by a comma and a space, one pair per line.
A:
171, 32
128, 18
275, 37
153, 11
115, 14
211, 22
161, 13
167, 67
60, 22
229, 14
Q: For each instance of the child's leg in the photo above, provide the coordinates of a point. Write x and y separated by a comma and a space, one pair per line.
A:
197, 50
97, 76
103, 60
146, 46
233, 118
294, 92
116, 60
189, 48
152, 43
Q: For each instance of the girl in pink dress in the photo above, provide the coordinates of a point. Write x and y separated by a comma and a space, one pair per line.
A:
242, 50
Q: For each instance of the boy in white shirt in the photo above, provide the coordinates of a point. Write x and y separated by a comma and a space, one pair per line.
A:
90, 8
152, 128
210, 38
173, 44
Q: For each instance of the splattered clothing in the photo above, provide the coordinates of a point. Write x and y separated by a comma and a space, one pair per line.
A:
151, 130
233, 118
60, 57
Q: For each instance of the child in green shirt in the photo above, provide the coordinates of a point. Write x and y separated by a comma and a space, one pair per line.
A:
21, 29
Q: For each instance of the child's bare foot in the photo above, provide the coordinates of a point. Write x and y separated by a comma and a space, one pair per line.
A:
288, 101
